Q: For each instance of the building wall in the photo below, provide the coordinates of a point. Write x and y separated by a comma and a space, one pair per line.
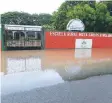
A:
0, 48
68, 39
0, 39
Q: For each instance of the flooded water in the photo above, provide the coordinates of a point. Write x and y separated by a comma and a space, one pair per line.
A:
25, 70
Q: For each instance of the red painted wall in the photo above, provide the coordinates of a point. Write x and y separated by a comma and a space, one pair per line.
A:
67, 39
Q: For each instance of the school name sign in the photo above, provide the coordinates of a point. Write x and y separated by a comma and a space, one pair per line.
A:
77, 34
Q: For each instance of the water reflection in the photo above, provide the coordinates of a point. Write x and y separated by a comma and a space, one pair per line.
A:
25, 70
15, 65
67, 60
26, 81
87, 69
83, 53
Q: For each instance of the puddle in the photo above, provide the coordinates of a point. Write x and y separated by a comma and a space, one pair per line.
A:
25, 81
25, 70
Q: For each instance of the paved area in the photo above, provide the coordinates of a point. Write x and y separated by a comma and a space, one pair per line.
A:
92, 90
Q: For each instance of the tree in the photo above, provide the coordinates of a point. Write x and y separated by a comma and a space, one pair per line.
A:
59, 18
85, 13
22, 18
19, 18
65, 13
102, 14
35, 19
95, 16
109, 24
109, 6
44, 19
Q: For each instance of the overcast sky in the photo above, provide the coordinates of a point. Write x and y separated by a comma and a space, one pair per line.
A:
30, 6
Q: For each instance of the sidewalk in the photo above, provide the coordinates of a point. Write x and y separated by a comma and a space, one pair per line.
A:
92, 90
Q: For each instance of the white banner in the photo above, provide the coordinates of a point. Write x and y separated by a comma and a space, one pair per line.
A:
83, 43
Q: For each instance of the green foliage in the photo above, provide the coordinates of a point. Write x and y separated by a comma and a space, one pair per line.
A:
95, 16
109, 6
60, 17
21, 18
48, 27
44, 19
16, 18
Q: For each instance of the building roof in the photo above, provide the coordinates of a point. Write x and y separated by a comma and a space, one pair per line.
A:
23, 27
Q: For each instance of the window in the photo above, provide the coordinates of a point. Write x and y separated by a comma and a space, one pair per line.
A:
30, 34
19, 35
9, 35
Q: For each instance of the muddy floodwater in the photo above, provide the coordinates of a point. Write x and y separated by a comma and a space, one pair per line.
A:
28, 69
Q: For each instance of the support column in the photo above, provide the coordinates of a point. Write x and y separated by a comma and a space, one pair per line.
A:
13, 34
35, 35
25, 35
